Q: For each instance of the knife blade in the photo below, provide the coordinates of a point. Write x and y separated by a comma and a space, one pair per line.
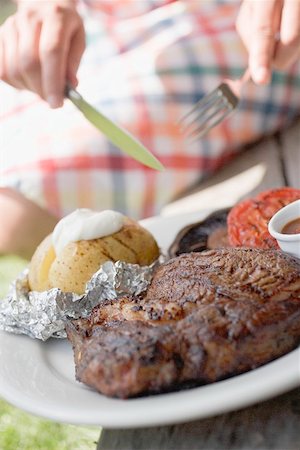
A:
117, 135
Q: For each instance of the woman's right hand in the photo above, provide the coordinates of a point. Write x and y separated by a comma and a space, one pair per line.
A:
41, 47
270, 30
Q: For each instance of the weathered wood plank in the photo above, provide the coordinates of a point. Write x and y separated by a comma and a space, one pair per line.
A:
256, 169
274, 424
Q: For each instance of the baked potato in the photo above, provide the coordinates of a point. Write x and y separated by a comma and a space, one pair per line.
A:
78, 261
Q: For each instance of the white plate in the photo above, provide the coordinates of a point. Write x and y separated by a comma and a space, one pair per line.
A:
39, 378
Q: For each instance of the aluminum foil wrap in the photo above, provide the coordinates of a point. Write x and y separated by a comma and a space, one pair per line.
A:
42, 315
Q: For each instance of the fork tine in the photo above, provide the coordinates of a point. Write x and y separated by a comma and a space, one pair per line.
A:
212, 108
203, 115
205, 127
208, 118
204, 101
221, 96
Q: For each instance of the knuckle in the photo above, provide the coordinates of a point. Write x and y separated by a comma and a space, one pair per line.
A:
58, 10
265, 31
28, 14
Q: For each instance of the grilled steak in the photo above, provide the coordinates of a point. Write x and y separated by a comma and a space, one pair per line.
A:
205, 317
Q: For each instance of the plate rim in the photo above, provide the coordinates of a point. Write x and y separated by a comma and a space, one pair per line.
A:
128, 419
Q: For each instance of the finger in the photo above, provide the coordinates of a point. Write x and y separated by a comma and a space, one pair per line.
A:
54, 45
29, 64
288, 48
9, 39
266, 19
77, 48
242, 23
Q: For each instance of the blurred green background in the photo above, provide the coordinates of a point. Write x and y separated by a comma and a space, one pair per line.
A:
19, 430
6, 7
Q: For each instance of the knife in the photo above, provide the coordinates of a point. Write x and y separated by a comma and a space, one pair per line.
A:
118, 136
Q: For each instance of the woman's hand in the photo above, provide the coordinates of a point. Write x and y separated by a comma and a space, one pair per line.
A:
270, 30
41, 47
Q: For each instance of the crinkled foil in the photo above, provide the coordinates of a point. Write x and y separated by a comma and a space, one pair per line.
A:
42, 315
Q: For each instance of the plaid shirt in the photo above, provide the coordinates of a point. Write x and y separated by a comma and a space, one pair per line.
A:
146, 63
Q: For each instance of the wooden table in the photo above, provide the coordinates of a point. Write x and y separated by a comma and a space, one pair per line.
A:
273, 424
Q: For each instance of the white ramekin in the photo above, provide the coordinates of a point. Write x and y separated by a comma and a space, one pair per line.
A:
289, 243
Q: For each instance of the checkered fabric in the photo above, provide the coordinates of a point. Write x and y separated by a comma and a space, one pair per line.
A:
146, 63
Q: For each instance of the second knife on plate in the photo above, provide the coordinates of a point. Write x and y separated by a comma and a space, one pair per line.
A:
118, 136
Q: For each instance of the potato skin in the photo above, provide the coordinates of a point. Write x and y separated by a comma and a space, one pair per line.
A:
40, 264
78, 261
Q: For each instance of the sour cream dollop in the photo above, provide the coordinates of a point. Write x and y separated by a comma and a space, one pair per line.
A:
85, 224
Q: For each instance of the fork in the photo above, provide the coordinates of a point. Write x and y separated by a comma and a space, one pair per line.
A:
213, 108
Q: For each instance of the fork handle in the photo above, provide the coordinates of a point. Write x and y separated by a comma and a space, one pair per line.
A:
246, 76
237, 84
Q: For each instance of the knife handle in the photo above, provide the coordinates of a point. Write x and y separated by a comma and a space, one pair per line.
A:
71, 93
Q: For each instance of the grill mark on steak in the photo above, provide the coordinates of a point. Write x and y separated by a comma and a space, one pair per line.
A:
206, 316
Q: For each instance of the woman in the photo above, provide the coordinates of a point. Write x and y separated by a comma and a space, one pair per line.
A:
145, 64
